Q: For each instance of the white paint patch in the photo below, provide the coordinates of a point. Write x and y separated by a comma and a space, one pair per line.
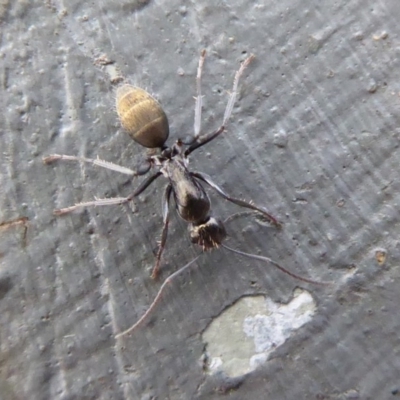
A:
243, 336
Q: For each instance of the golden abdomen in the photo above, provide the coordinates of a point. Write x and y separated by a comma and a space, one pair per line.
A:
142, 116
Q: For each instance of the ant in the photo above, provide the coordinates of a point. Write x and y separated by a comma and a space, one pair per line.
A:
147, 124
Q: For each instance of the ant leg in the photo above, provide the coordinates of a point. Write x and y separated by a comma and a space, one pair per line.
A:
199, 100
113, 200
238, 215
232, 97
202, 140
164, 234
156, 299
24, 221
101, 163
254, 214
205, 178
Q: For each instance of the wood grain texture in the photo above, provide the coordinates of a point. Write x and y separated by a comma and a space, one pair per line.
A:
314, 138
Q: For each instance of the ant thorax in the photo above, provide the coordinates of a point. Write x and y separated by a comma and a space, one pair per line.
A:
192, 202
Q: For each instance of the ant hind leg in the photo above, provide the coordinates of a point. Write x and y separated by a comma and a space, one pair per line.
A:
110, 201
202, 140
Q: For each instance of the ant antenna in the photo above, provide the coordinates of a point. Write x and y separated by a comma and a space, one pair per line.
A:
156, 299
275, 264
184, 268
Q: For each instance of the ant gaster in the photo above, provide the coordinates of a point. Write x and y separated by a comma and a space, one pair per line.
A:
145, 121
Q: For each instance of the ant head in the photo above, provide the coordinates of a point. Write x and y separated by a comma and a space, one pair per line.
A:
209, 234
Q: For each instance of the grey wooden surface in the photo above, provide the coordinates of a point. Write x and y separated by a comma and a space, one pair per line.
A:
314, 137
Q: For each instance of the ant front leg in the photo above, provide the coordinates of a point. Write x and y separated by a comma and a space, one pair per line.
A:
207, 179
164, 234
204, 139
